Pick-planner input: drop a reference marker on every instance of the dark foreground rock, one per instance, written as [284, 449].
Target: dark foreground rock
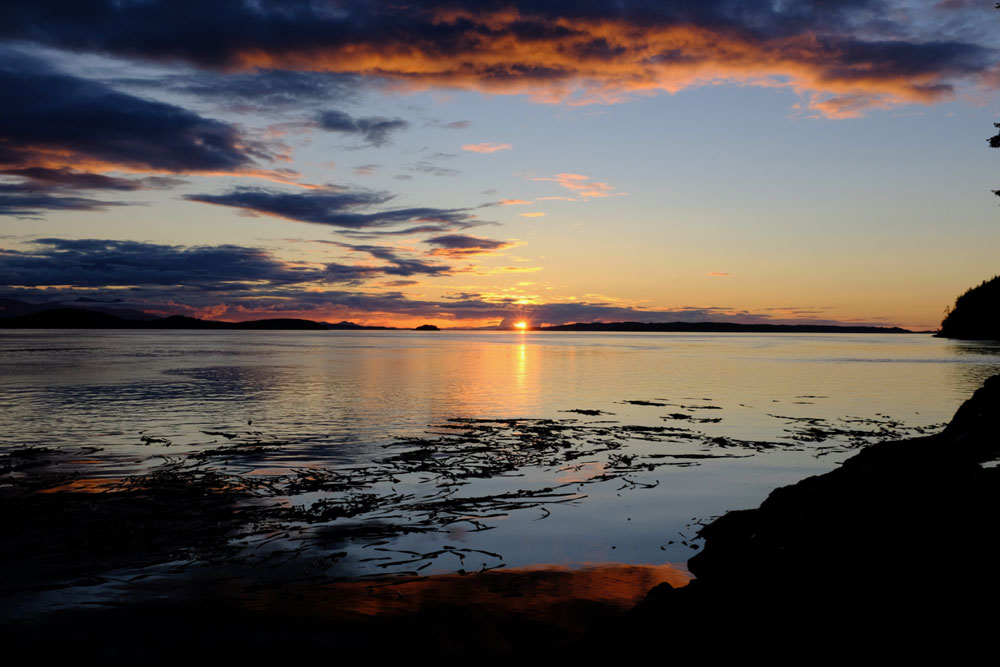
[896, 551]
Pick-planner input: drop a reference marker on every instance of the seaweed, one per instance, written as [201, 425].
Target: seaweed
[246, 504]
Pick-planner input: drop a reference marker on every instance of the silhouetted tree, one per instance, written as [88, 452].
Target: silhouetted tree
[976, 314]
[995, 140]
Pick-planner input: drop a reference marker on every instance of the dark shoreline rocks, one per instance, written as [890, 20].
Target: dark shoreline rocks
[898, 548]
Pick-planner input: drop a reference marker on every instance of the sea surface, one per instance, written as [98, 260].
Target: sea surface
[435, 452]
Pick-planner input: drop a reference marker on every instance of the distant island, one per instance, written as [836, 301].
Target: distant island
[86, 314]
[720, 327]
[81, 318]
[976, 315]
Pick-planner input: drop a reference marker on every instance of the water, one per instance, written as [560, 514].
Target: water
[306, 404]
[66, 387]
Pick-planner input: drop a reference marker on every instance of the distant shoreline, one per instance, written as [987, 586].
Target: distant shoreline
[79, 318]
[723, 327]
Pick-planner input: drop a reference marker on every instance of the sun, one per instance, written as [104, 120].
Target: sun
[521, 325]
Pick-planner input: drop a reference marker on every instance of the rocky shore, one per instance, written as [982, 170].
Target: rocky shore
[896, 551]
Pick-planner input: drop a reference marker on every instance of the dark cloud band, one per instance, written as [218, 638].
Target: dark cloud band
[552, 49]
[22, 202]
[334, 207]
[463, 245]
[91, 263]
[49, 117]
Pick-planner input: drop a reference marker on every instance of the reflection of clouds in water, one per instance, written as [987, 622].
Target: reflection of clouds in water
[528, 590]
[581, 472]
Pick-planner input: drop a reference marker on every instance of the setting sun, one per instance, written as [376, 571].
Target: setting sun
[521, 325]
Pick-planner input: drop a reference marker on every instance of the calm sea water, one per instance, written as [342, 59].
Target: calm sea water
[344, 400]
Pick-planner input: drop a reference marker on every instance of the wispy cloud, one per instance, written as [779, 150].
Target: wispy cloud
[486, 147]
[256, 89]
[581, 185]
[18, 201]
[32, 190]
[425, 167]
[65, 177]
[338, 207]
[395, 263]
[374, 130]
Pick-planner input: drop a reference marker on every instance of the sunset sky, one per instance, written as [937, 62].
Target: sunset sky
[393, 163]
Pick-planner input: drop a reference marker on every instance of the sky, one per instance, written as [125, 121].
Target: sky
[393, 163]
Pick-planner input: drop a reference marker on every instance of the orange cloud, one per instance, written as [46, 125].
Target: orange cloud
[513, 202]
[58, 158]
[582, 186]
[847, 106]
[575, 53]
[717, 274]
[607, 59]
[486, 147]
[535, 214]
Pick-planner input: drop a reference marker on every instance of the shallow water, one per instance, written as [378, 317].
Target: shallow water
[305, 404]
